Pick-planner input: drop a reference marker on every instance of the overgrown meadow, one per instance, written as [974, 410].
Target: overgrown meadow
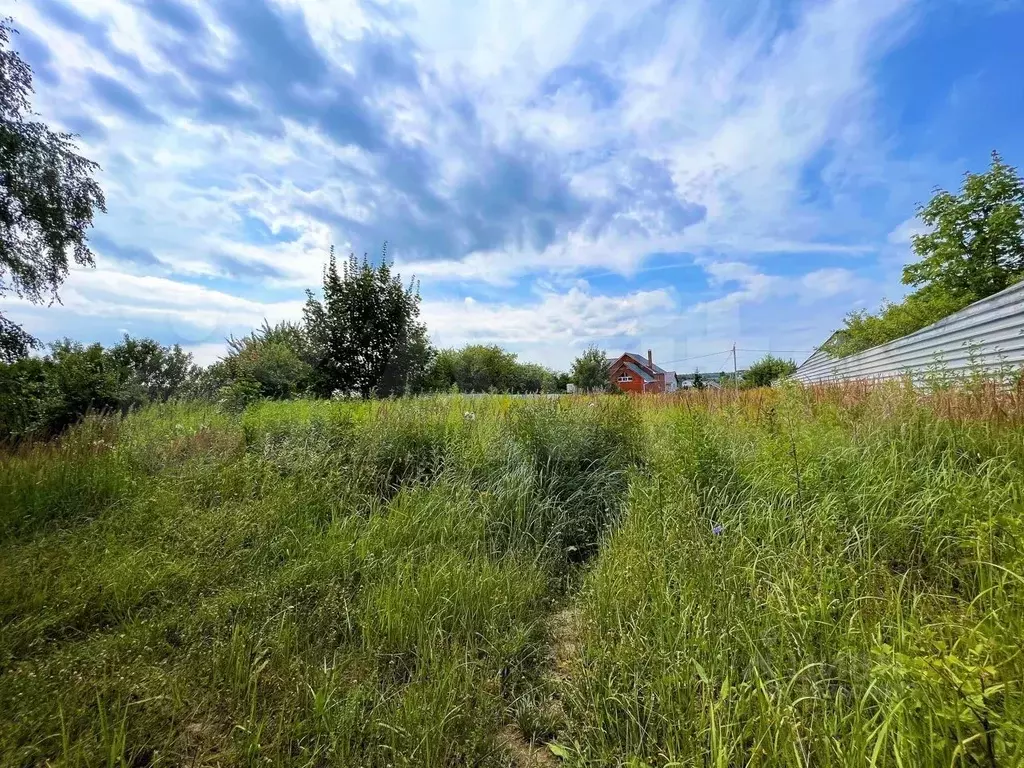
[794, 577]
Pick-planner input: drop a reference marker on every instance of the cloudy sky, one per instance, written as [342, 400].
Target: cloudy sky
[679, 175]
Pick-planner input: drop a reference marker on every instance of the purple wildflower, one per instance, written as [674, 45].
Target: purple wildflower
[717, 529]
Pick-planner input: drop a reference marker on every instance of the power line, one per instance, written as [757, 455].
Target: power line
[725, 361]
[787, 351]
[696, 357]
[728, 353]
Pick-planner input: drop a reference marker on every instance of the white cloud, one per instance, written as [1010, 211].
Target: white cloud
[903, 234]
[572, 317]
[183, 312]
[730, 105]
[734, 110]
[208, 353]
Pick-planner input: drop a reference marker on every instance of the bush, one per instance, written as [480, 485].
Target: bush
[767, 370]
[488, 368]
[43, 397]
[271, 362]
[148, 372]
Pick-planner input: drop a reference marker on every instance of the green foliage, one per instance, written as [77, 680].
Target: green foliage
[148, 372]
[975, 243]
[23, 388]
[974, 248]
[47, 202]
[408, 373]
[81, 379]
[864, 330]
[43, 397]
[536, 378]
[590, 370]
[789, 578]
[271, 362]
[364, 335]
[698, 381]
[487, 368]
[767, 370]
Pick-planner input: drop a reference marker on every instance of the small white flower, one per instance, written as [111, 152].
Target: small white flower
[469, 416]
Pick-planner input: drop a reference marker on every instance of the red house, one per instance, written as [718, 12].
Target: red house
[635, 373]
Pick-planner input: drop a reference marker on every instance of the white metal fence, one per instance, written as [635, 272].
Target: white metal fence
[987, 336]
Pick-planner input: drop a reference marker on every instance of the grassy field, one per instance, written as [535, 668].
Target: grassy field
[796, 577]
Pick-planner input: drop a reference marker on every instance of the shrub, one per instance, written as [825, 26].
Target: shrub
[271, 362]
[767, 370]
[43, 397]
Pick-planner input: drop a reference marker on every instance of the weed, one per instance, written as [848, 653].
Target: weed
[802, 576]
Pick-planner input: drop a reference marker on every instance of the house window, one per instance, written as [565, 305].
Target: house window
[625, 379]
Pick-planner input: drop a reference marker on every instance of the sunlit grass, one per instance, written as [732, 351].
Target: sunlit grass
[795, 577]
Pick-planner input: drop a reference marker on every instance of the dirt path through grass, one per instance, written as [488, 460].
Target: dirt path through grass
[785, 579]
[533, 750]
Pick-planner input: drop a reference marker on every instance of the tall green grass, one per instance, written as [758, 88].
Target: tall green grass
[806, 577]
[805, 584]
[308, 583]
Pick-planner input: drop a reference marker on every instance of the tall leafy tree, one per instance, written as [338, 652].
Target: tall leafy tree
[590, 370]
[974, 247]
[365, 336]
[47, 199]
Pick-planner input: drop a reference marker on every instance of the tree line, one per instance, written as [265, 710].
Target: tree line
[363, 336]
[362, 339]
[972, 247]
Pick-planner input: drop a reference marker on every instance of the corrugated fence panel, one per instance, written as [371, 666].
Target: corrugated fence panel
[986, 336]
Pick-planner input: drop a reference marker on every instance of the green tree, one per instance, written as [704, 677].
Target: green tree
[698, 380]
[476, 368]
[40, 397]
[767, 370]
[974, 248]
[590, 370]
[23, 390]
[47, 199]
[79, 379]
[534, 378]
[408, 373]
[147, 371]
[364, 334]
[271, 362]
[488, 368]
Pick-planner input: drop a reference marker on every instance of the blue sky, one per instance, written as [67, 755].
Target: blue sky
[679, 176]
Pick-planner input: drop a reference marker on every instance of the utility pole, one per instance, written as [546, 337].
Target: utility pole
[735, 372]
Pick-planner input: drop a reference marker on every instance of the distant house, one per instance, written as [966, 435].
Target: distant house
[710, 380]
[631, 372]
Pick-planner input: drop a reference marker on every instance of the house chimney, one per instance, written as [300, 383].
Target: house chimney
[650, 360]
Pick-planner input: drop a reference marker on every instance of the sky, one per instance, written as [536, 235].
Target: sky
[677, 176]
